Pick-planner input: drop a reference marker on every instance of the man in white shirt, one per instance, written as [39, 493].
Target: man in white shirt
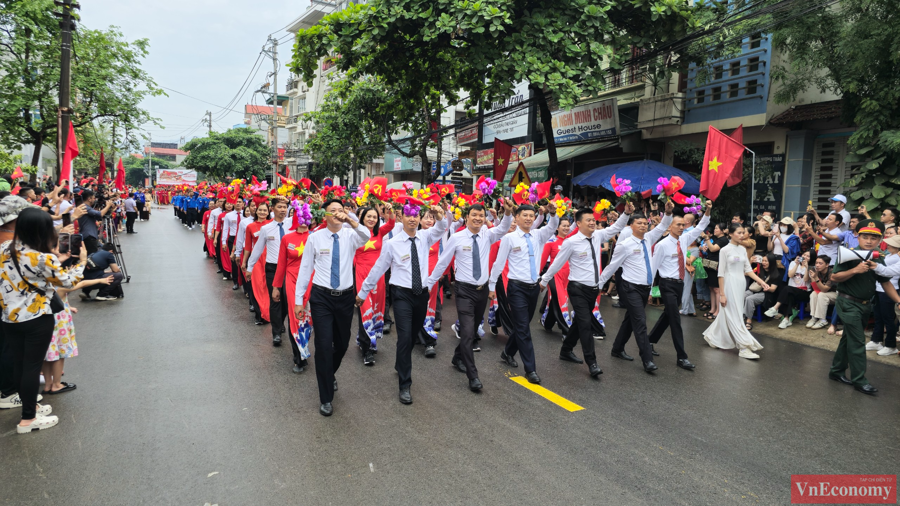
[838, 202]
[266, 252]
[521, 250]
[211, 226]
[582, 252]
[632, 254]
[130, 214]
[828, 239]
[669, 259]
[328, 255]
[229, 236]
[407, 257]
[471, 248]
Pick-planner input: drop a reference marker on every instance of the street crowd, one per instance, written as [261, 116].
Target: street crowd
[319, 257]
[54, 240]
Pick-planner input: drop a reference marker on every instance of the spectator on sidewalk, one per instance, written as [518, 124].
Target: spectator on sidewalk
[97, 264]
[823, 294]
[87, 224]
[130, 214]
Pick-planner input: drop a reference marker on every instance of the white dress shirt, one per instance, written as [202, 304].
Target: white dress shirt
[395, 254]
[213, 222]
[317, 258]
[230, 225]
[514, 251]
[269, 241]
[577, 251]
[460, 245]
[665, 254]
[242, 234]
[629, 255]
[831, 248]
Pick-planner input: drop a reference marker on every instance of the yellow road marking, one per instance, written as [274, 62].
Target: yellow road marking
[547, 394]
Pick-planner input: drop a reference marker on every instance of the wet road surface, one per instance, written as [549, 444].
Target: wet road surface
[182, 400]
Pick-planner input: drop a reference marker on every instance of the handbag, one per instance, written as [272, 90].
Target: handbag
[755, 287]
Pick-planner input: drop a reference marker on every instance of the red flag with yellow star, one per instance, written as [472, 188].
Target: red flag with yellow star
[723, 154]
[502, 153]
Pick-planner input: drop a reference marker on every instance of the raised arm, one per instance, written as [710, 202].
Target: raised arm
[611, 231]
[657, 232]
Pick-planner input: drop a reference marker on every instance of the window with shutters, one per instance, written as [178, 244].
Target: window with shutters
[830, 170]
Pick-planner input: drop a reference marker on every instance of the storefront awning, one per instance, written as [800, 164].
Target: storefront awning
[542, 159]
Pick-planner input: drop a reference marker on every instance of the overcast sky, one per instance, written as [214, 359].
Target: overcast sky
[203, 48]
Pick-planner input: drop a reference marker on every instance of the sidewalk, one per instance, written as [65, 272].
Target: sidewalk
[798, 333]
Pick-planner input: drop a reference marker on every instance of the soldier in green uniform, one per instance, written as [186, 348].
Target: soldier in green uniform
[856, 287]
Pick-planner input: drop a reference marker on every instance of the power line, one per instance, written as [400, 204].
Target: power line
[254, 70]
[198, 99]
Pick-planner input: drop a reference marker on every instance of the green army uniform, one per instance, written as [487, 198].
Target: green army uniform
[854, 313]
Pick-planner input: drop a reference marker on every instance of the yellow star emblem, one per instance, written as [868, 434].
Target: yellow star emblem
[714, 164]
[299, 249]
[369, 245]
[501, 160]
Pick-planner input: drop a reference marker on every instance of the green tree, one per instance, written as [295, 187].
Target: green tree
[136, 169]
[563, 48]
[852, 51]
[237, 153]
[108, 82]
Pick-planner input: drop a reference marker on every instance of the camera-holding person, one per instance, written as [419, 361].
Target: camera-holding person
[96, 268]
[87, 223]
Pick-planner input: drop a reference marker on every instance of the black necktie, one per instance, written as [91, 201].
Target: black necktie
[590, 241]
[416, 272]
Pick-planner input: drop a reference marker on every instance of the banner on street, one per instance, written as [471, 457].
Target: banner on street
[176, 177]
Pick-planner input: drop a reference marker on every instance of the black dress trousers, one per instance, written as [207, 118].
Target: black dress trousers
[670, 291]
[470, 306]
[332, 318]
[410, 310]
[522, 300]
[634, 299]
[582, 297]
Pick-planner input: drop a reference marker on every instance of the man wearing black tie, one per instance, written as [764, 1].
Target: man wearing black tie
[266, 252]
[669, 260]
[632, 254]
[521, 249]
[329, 252]
[472, 249]
[582, 251]
[407, 257]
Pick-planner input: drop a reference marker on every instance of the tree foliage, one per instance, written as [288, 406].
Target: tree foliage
[107, 80]
[852, 50]
[563, 48]
[237, 153]
[349, 125]
[136, 168]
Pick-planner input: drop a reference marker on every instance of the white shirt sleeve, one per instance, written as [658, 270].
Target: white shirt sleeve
[381, 266]
[617, 259]
[305, 272]
[497, 233]
[611, 231]
[565, 251]
[443, 261]
[658, 231]
[258, 249]
[497, 269]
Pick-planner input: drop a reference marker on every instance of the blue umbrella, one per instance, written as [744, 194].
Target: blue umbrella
[644, 175]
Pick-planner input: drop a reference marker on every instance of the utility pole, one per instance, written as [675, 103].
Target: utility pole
[150, 159]
[275, 178]
[64, 113]
[207, 120]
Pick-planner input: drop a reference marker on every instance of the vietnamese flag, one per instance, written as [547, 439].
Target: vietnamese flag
[70, 153]
[502, 154]
[723, 154]
[738, 173]
[102, 167]
[18, 174]
[120, 177]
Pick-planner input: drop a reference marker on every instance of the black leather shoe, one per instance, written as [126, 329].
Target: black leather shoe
[510, 361]
[532, 377]
[685, 364]
[458, 364]
[650, 366]
[840, 378]
[220, 271]
[430, 352]
[297, 369]
[369, 358]
[276, 340]
[252, 308]
[569, 356]
[405, 397]
[437, 326]
[235, 286]
[386, 329]
[259, 322]
[595, 370]
[616, 304]
[622, 355]
[866, 389]
[600, 333]
[475, 385]
[653, 351]
[326, 409]
[335, 385]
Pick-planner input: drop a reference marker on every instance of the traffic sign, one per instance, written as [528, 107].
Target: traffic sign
[521, 176]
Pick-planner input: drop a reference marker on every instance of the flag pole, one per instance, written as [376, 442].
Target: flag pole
[752, 183]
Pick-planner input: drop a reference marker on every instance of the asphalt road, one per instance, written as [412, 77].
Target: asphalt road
[182, 401]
